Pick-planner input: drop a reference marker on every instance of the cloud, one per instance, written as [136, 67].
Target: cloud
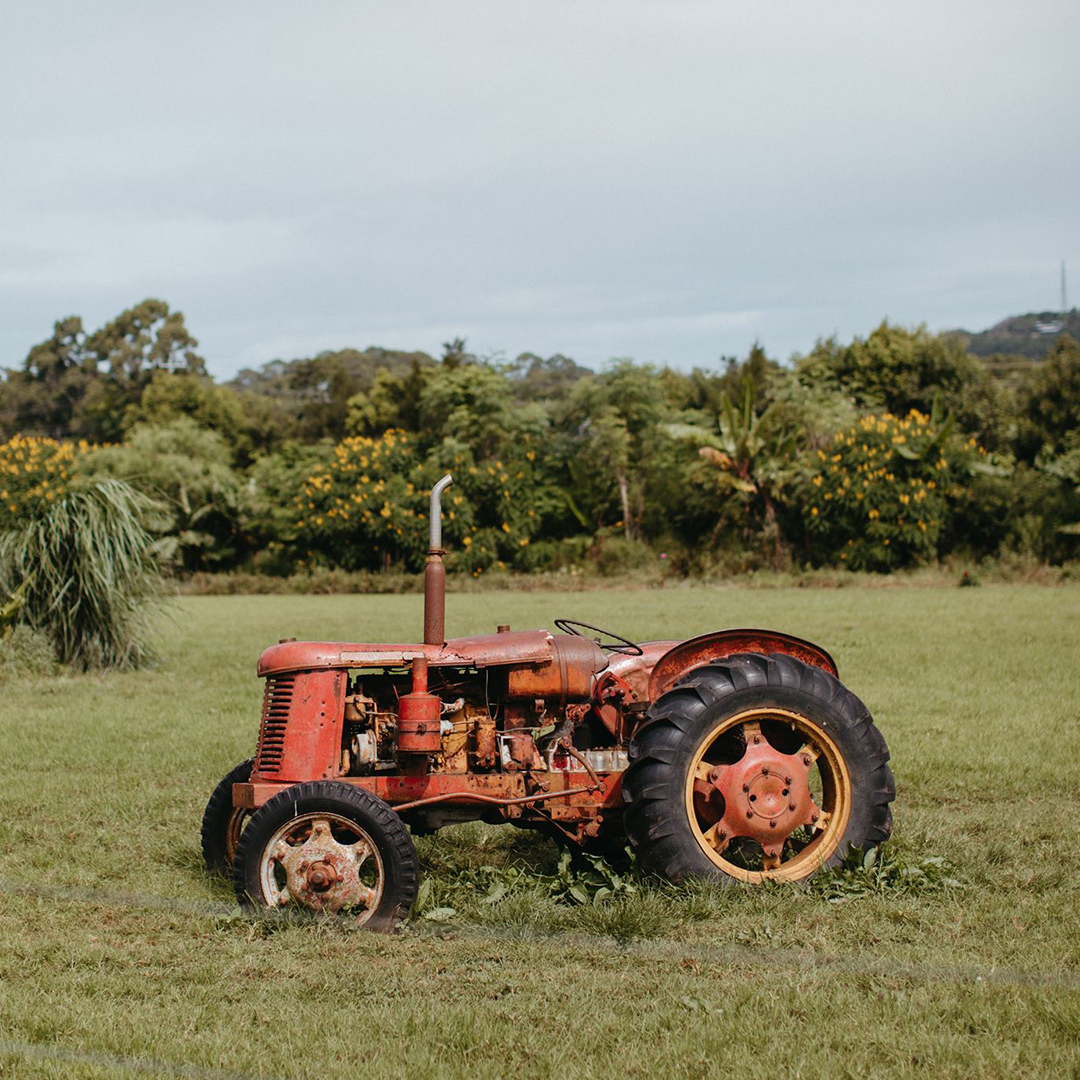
[666, 180]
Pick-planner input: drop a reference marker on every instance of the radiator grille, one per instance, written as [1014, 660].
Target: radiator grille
[277, 701]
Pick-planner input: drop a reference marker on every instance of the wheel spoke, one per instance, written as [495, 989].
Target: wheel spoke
[320, 831]
[822, 822]
[771, 860]
[716, 838]
[809, 750]
[703, 771]
[280, 900]
[704, 789]
[359, 850]
[751, 731]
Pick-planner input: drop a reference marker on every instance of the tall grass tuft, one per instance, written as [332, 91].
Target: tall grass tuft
[91, 575]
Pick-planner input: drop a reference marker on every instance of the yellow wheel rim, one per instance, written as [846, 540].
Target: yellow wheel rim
[835, 795]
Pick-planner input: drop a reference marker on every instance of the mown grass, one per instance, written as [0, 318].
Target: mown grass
[120, 957]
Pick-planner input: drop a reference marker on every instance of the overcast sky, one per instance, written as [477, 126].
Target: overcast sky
[664, 180]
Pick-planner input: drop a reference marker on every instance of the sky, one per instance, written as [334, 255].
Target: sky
[667, 180]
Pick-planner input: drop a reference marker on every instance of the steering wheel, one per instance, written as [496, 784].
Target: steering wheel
[624, 645]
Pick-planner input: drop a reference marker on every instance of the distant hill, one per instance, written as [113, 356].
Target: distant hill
[1030, 335]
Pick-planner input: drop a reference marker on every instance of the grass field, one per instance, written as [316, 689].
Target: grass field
[119, 957]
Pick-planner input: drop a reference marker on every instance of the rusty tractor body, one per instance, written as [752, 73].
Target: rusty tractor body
[735, 754]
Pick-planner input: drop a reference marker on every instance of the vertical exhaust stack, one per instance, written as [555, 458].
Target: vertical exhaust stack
[435, 572]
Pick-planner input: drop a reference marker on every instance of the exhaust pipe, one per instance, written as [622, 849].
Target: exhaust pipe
[435, 572]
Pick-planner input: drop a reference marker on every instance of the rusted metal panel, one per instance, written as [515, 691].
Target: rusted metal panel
[300, 734]
[712, 647]
[397, 788]
[568, 676]
[515, 647]
[636, 670]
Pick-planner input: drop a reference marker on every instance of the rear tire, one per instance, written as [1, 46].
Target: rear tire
[326, 846]
[222, 823]
[724, 736]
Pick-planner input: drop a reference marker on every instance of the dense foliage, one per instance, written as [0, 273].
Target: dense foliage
[881, 453]
[878, 495]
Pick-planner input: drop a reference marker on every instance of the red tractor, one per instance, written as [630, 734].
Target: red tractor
[734, 755]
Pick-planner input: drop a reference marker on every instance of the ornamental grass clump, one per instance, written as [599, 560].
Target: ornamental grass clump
[87, 574]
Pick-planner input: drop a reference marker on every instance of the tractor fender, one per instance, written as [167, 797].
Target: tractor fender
[708, 648]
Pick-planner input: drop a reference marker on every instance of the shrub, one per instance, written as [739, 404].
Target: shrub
[34, 473]
[365, 506]
[187, 469]
[368, 506]
[877, 496]
[25, 652]
[87, 570]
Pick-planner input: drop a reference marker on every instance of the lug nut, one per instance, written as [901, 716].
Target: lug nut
[772, 824]
[723, 835]
[749, 813]
[813, 819]
[764, 771]
[746, 787]
[787, 780]
[757, 739]
[791, 806]
[806, 760]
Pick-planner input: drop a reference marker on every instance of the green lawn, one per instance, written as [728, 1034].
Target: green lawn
[121, 958]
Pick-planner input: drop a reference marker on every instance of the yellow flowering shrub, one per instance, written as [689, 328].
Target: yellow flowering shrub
[368, 507]
[877, 495]
[34, 472]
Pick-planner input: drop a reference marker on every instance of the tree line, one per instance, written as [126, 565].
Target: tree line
[880, 453]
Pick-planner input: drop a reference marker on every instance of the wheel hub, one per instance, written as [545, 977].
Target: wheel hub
[322, 873]
[766, 795]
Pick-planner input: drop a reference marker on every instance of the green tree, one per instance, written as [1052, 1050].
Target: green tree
[44, 398]
[1050, 404]
[749, 460]
[393, 401]
[897, 370]
[187, 469]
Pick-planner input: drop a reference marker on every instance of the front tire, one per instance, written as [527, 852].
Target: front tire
[756, 768]
[330, 847]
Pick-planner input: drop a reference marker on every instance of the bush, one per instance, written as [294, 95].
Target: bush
[368, 507]
[34, 473]
[877, 495]
[187, 469]
[25, 652]
[87, 570]
[615, 555]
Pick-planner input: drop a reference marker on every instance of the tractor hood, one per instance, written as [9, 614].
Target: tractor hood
[486, 650]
